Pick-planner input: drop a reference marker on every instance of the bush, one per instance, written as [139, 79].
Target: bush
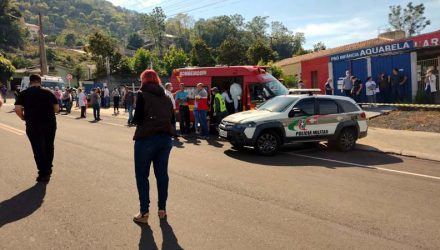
[420, 97]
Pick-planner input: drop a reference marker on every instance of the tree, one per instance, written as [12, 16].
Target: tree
[6, 69]
[410, 19]
[173, 59]
[103, 47]
[201, 55]
[135, 41]
[232, 52]
[11, 32]
[259, 51]
[141, 60]
[154, 26]
[319, 46]
[284, 42]
[258, 26]
[126, 66]
[78, 72]
[70, 40]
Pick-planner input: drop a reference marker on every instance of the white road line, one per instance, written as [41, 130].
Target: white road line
[12, 129]
[366, 166]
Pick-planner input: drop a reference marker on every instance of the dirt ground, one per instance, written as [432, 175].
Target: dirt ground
[428, 121]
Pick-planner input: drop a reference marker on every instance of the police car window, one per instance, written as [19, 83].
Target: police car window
[307, 106]
[327, 107]
[347, 106]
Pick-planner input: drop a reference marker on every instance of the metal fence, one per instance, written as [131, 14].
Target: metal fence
[422, 67]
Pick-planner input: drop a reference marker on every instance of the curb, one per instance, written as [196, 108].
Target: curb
[406, 153]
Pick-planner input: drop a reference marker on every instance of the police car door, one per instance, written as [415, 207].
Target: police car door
[303, 123]
[329, 116]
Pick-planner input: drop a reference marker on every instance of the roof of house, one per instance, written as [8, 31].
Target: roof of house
[331, 51]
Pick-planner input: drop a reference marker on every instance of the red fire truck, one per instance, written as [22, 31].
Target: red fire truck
[256, 83]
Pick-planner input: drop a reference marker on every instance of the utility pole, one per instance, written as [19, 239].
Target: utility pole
[43, 59]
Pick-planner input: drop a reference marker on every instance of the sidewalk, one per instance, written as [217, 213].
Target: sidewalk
[421, 145]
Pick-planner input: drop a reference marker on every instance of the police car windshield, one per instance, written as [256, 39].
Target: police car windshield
[278, 104]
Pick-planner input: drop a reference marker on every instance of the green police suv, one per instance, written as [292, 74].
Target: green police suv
[296, 118]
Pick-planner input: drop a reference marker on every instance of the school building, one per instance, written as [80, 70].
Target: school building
[412, 56]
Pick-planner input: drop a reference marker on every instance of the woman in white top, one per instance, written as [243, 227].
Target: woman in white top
[370, 86]
[430, 86]
[82, 101]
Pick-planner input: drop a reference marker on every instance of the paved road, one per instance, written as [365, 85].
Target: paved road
[304, 198]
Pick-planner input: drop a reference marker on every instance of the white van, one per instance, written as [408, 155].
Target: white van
[46, 81]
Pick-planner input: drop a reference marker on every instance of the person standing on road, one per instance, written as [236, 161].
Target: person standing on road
[116, 97]
[182, 100]
[219, 106]
[82, 102]
[329, 90]
[124, 97]
[356, 89]
[106, 97]
[229, 102]
[236, 92]
[67, 100]
[59, 96]
[370, 87]
[168, 92]
[95, 100]
[384, 88]
[37, 106]
[4, 91]
[153, 143]
[301, 84]
[347, 84]
[398, 85]
[202, 109]
[131, 105]
[430, 88]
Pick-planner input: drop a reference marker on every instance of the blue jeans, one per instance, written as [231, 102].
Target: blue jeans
[96, 111]
[203, 122]
[154, 149]
[130, 113]
[196, 119]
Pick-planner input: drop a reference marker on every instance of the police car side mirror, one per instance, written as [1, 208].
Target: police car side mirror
[294, 111]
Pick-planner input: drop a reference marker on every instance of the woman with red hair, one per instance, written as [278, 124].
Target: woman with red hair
[152, 142]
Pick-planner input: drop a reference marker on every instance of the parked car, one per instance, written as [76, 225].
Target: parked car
[296, 118]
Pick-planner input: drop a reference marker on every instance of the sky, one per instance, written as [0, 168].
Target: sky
[333, 22]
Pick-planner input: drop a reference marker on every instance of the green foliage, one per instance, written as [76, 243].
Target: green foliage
[276, 71]
[78, 71]
[135, 41]
[410, 19]
[70, 40]
[20, 62]
[258, 26]
[173, 59]
[319, 46]
[232, 52]
[12, 34]
[201, 55]
[126, 66]
[144, 59]
[6, 69]
[103, 48]
[420, 97]
[290, 81]
[154, 26]
[259, 51]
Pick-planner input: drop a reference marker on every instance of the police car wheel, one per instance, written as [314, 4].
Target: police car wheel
[347, 140]
[267, 143]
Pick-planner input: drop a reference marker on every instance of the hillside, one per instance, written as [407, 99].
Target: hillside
[80, 17]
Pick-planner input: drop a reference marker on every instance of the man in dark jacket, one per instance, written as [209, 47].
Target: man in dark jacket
[37, 106]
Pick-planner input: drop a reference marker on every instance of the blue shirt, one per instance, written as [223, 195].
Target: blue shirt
[182, 97]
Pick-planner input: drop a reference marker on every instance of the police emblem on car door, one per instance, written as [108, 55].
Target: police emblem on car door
[303, 120]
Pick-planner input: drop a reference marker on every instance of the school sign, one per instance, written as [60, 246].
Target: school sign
[377, 50]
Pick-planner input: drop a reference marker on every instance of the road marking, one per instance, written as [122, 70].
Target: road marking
[12, 129]
[366, 166]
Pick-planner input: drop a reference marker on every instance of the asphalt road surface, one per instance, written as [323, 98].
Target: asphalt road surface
[303, 198]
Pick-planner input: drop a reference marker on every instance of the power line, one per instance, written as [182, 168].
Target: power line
[198, 8]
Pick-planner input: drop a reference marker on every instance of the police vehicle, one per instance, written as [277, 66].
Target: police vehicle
[296, 118]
